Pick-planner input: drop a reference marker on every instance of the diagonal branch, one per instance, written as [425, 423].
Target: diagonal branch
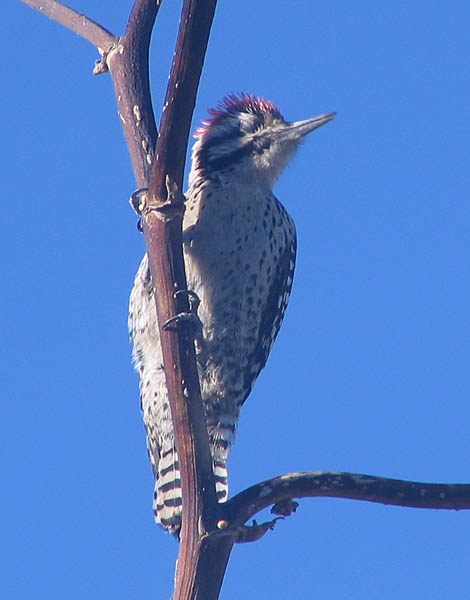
[354, 486]
[81, 24]
[126, 58]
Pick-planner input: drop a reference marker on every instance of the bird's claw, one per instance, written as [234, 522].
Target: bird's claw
[138, 201]
[167, 209]
[185, 317]
[193, 299]
[189, 317]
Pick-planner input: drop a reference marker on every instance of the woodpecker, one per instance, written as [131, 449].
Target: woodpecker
[239, 248]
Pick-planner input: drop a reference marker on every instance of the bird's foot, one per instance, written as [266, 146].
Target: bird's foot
[242, 534]
[167, 209]
[190, 317]
[193, 299]
[138, 201]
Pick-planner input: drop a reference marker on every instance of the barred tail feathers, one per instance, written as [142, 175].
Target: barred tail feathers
[168, 497]
[167, 502]
[221, 480]
[221, 438]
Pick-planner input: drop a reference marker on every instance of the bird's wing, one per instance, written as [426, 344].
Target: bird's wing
[273, 314]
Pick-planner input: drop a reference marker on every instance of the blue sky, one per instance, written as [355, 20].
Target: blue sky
[370, 371]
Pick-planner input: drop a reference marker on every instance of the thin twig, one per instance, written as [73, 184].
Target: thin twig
[353, 486]
[127, 60]
[81, 24]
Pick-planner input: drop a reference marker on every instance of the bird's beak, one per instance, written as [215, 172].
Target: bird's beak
[297, 130]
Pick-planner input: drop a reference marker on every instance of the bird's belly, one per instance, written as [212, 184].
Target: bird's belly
[232, 285]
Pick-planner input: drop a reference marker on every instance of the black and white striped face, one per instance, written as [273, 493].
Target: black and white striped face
[248, 135]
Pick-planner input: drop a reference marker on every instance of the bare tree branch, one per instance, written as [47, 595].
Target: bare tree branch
[81, 24]
[209, 529]
[354, 486]
[128, 62]
[193, 36]
[162, 228]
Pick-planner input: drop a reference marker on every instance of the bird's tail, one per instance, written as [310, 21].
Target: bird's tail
[167, 498]
[168, 501]
[221, 480]
[221, 437]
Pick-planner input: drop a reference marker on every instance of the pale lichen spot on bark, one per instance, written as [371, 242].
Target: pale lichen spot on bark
[137, 114]
[265, 491]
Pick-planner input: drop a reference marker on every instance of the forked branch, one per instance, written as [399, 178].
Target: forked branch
[209, 529]
[126, 58]
[162, 221]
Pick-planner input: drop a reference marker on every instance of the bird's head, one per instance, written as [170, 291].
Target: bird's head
[247, 137]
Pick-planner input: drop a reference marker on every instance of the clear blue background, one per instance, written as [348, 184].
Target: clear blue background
[370, 372]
